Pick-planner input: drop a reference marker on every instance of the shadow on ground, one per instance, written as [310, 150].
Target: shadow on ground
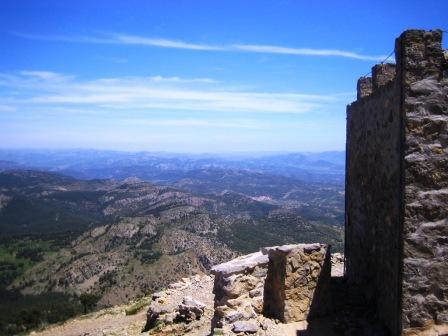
[351, 315]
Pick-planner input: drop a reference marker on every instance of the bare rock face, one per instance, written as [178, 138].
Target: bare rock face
[298, 282]
[238, 290]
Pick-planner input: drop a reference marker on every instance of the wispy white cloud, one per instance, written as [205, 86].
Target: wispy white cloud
[69, 39]
[270, 49]
[126, 39]
[234, 123]
[161, 79]
[46, 75]
[41, 88]
[159, 42]
[48, 109]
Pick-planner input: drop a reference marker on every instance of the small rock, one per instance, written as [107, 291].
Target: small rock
[234, 316]
[245, 326]
[176, 285]
[157, 295]
[256, 292]
[191, 309]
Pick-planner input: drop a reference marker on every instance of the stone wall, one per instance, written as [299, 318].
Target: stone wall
[396, 189]
[373, 197]
[425, 177]
[290, 283]
[297, 285]
[238, 289]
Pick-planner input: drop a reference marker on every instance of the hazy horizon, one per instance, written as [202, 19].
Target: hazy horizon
[219, 154]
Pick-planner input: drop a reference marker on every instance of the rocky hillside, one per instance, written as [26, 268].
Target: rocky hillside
[125, 260]
[314, 201]
[123, 239]
[150, 231]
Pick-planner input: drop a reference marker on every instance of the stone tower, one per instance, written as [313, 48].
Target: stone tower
[397, 186]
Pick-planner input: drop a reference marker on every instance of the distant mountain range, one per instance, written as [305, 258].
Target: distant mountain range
[327, 167]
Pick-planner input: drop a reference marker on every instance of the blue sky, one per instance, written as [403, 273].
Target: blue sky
[192, 76]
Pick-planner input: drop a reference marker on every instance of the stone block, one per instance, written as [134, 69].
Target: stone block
[364, 87]
[297, 286]
[238, 290]
[382, 74]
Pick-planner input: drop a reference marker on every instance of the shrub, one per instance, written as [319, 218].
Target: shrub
[88, 300]
[137, 306]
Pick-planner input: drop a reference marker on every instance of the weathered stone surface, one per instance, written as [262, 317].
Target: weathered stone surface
[373, 198]
[250, 327]
[397, 182]
[238, 289]
[241, 264]
[190, 309]
[298, 282]
[382, 74]
[364, 87]
[425, 223]
[182, 304]
[337, 265]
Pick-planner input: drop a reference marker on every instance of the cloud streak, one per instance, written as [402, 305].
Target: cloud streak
[233, 123]
[47, 109]
[151, 94]
[159, 42]
[269, 49]
[126, 39]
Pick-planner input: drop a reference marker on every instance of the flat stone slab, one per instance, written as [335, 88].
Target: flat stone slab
[241, 264]
[306, 248]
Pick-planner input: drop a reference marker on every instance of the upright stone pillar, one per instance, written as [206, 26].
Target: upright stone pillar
[298, 282]
[425, 180]
[238, 290]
